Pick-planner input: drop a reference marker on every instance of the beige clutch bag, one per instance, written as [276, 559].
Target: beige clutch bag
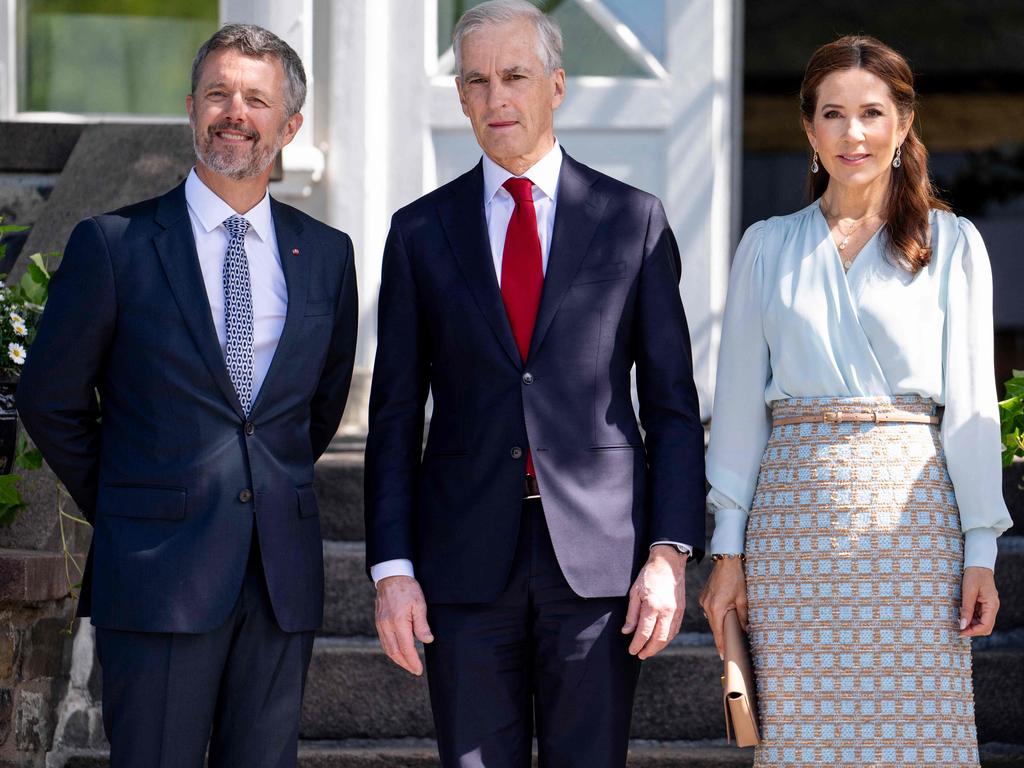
[738, 684]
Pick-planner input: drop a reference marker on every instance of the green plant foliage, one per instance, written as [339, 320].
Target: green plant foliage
[1011, 418]
[10, 499]
[27, 456]
[20, 309]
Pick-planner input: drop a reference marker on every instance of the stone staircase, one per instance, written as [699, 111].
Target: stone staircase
[360, 710]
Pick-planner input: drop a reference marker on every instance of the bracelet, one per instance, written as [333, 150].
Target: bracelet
[731, 556]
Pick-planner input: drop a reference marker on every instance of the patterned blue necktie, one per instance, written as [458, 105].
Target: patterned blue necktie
[238, 311]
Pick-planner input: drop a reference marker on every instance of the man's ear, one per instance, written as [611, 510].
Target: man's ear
[292, 128]
[559, 95]
[462, 96]
[189, 103]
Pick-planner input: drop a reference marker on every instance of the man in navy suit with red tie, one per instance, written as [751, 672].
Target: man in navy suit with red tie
[218, 327]
[537, 545]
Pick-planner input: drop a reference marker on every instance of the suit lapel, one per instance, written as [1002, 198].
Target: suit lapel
[176, 247]
[464, 221]
[577, 213]
[296, 267]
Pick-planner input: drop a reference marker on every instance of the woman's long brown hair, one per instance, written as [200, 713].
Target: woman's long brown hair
[911, 192]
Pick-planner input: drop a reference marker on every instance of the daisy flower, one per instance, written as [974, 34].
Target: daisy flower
[16, 352]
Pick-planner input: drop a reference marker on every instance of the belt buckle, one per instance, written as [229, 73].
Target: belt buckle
[832, 417]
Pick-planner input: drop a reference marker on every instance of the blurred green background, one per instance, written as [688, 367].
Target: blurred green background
[110, 56]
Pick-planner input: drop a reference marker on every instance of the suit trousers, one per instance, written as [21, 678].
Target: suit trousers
[538, 655]
[238, 688]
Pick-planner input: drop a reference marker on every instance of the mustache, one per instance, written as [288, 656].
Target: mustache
[228, 125]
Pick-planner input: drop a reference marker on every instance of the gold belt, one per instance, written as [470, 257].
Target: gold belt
[872, 417]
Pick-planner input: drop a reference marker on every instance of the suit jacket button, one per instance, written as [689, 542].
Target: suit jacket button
[527, 378]
[245, 496]
[250, 428]
[517, 452]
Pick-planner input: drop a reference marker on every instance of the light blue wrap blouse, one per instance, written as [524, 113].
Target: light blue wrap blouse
[796, 325]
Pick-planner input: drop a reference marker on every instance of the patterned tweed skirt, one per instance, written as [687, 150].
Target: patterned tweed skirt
[854, 562]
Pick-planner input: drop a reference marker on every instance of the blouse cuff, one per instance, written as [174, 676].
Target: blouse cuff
[730, 532]
[980, 548]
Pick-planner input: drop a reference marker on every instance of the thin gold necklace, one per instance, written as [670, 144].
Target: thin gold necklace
[847, 263]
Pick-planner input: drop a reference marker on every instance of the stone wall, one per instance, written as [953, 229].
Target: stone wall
[35, 653]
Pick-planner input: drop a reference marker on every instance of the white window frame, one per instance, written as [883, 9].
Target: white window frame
[9, 86]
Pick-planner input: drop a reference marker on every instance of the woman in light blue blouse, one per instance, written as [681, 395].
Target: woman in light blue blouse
[854, 457]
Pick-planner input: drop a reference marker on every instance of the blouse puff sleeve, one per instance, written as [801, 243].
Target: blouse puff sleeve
[970, 425]
[740, 421]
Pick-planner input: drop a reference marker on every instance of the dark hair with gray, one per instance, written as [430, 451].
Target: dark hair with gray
[549, 35]
[251, 40]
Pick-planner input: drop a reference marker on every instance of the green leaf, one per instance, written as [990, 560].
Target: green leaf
[31, 459]
[5, 228]
[38, 260]
[10, 499]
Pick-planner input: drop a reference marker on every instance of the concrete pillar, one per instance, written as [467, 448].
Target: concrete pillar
[704, 145]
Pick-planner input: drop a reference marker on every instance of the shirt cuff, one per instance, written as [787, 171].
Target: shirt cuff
[391, 568]
[730, 532]
[685, 549]
[980, 548]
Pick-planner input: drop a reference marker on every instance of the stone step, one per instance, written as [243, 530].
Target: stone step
[422, 753]
[355, 691]
[339, 489]
[348, 600]
[348, 603]
[338, 482]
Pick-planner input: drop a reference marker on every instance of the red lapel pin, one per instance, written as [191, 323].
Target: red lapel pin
[295, 251]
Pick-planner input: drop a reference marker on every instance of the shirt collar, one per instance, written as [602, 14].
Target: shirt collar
[211, 211]
[543, 174]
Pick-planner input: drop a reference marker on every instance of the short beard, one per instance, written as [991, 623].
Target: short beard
[236, 163]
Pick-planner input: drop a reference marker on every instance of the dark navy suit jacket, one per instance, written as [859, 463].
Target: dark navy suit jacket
[610, 300]
[165, 463]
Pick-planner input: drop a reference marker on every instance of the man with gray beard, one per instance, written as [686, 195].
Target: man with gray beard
[218, 328]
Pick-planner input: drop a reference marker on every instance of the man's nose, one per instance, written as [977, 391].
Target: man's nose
[236, 106]
[497, 93]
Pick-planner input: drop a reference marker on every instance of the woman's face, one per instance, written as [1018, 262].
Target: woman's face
[856, 128]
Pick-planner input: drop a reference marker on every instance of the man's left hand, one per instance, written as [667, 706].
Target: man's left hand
[657, 600]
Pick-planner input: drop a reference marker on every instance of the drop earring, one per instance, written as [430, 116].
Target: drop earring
[814, 162]
[897, 161]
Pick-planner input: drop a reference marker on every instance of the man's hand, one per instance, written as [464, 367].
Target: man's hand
[979, 604]
[657, 600]
[401, 615]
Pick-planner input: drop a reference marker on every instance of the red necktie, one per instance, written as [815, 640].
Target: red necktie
[522, 275]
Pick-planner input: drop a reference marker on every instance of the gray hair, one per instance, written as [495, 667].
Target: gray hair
[251, 40]
[549, 35]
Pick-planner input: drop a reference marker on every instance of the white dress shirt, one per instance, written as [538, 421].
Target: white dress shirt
[498, 208]
[207, 213]
[796, 326]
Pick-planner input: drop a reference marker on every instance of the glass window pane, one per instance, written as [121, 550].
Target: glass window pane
[646, 19]
[588, 48]
[110, 56]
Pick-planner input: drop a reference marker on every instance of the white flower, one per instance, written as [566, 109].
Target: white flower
[20, 329]
[16, 352]
[16, 318]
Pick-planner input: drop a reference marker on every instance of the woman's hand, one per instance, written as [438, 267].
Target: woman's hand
[725, 591]
[980, 602]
